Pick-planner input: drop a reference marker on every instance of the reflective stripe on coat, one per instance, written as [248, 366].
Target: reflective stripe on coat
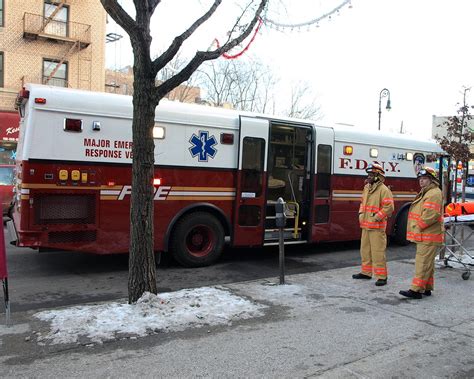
[425, 222]
[376, 206]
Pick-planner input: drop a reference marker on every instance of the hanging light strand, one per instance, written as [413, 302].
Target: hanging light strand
[282, 26]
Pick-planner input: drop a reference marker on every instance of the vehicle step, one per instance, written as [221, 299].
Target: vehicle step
[275, 235]
[288, 217]
[273, 230]
[285, 243]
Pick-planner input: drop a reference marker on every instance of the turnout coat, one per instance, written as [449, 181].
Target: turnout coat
[425, 219]
[376, 206]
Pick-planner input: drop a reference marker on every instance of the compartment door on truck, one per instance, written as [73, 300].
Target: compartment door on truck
[249, 212]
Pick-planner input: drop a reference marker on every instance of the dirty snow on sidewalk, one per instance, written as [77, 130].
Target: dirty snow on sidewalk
[165, 312]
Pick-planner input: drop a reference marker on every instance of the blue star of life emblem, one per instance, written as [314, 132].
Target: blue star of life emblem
[203, 146]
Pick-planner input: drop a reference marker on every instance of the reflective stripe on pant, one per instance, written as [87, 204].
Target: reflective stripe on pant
[373, 243]
[424, 267]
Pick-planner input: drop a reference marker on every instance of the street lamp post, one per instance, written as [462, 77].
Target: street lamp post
[384, 93]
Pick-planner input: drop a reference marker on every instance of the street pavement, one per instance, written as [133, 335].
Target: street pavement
[320, 324]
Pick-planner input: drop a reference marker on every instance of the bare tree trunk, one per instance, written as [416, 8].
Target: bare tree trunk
[142, 272]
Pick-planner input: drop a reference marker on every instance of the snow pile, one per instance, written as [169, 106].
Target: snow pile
[173, 311]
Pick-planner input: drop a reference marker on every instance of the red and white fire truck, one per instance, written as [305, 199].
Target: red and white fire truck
[218, 174]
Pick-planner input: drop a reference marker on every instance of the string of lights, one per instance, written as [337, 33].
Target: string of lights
[268, 22]
[279, 26]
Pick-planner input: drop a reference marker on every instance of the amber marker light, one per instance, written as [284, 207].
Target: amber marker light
[63, 175]
[348, 150]
[75, 175]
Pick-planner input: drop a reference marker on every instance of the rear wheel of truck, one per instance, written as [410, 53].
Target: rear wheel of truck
[197, 240]
[400, 230]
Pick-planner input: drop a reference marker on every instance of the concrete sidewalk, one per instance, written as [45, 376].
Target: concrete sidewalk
[322, 324]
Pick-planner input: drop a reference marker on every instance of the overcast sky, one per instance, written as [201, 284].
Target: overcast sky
[419, 49]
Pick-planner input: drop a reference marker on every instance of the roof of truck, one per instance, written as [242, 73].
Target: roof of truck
[120, 106]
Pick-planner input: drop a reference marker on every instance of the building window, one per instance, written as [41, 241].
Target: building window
[1, 13]
[54, 75]
[1, 68]
[58, 25]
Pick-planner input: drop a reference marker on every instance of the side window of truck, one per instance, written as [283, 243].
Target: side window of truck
[253, 153]
[323, 173]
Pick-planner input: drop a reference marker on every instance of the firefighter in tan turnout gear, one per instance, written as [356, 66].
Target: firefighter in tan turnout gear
[376, 207]
[425, 227]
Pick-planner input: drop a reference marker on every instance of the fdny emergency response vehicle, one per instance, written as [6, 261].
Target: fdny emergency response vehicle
[218, 174]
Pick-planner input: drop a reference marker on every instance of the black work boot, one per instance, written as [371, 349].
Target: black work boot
[427, 293]
[411, 294]
[361, 276]
[381, 282]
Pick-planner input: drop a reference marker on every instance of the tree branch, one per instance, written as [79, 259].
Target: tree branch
[144, 10]
[202, 56]
[152, 5]
[168, 55]
[230, 44]
[113, 8]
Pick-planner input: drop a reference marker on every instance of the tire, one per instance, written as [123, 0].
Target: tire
[400, 229]
[197, 240]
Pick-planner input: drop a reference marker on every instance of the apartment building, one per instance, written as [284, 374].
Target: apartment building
[55, 42]
[60, 43]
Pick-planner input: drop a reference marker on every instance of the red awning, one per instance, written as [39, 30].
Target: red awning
[9, 126]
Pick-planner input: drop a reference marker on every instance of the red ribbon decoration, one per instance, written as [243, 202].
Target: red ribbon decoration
[227, 56]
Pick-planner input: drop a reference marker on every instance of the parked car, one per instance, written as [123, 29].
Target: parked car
[6, 186]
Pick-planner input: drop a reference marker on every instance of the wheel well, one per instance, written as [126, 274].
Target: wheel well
[397, 217]
[208, 208]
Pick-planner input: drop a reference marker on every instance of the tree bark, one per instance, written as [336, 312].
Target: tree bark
[142, 273]
[146, 96]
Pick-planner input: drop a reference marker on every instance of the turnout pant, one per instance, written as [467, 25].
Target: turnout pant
[372, 251]
[424, 267]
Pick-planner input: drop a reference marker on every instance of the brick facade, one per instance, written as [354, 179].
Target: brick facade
[23, 57]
